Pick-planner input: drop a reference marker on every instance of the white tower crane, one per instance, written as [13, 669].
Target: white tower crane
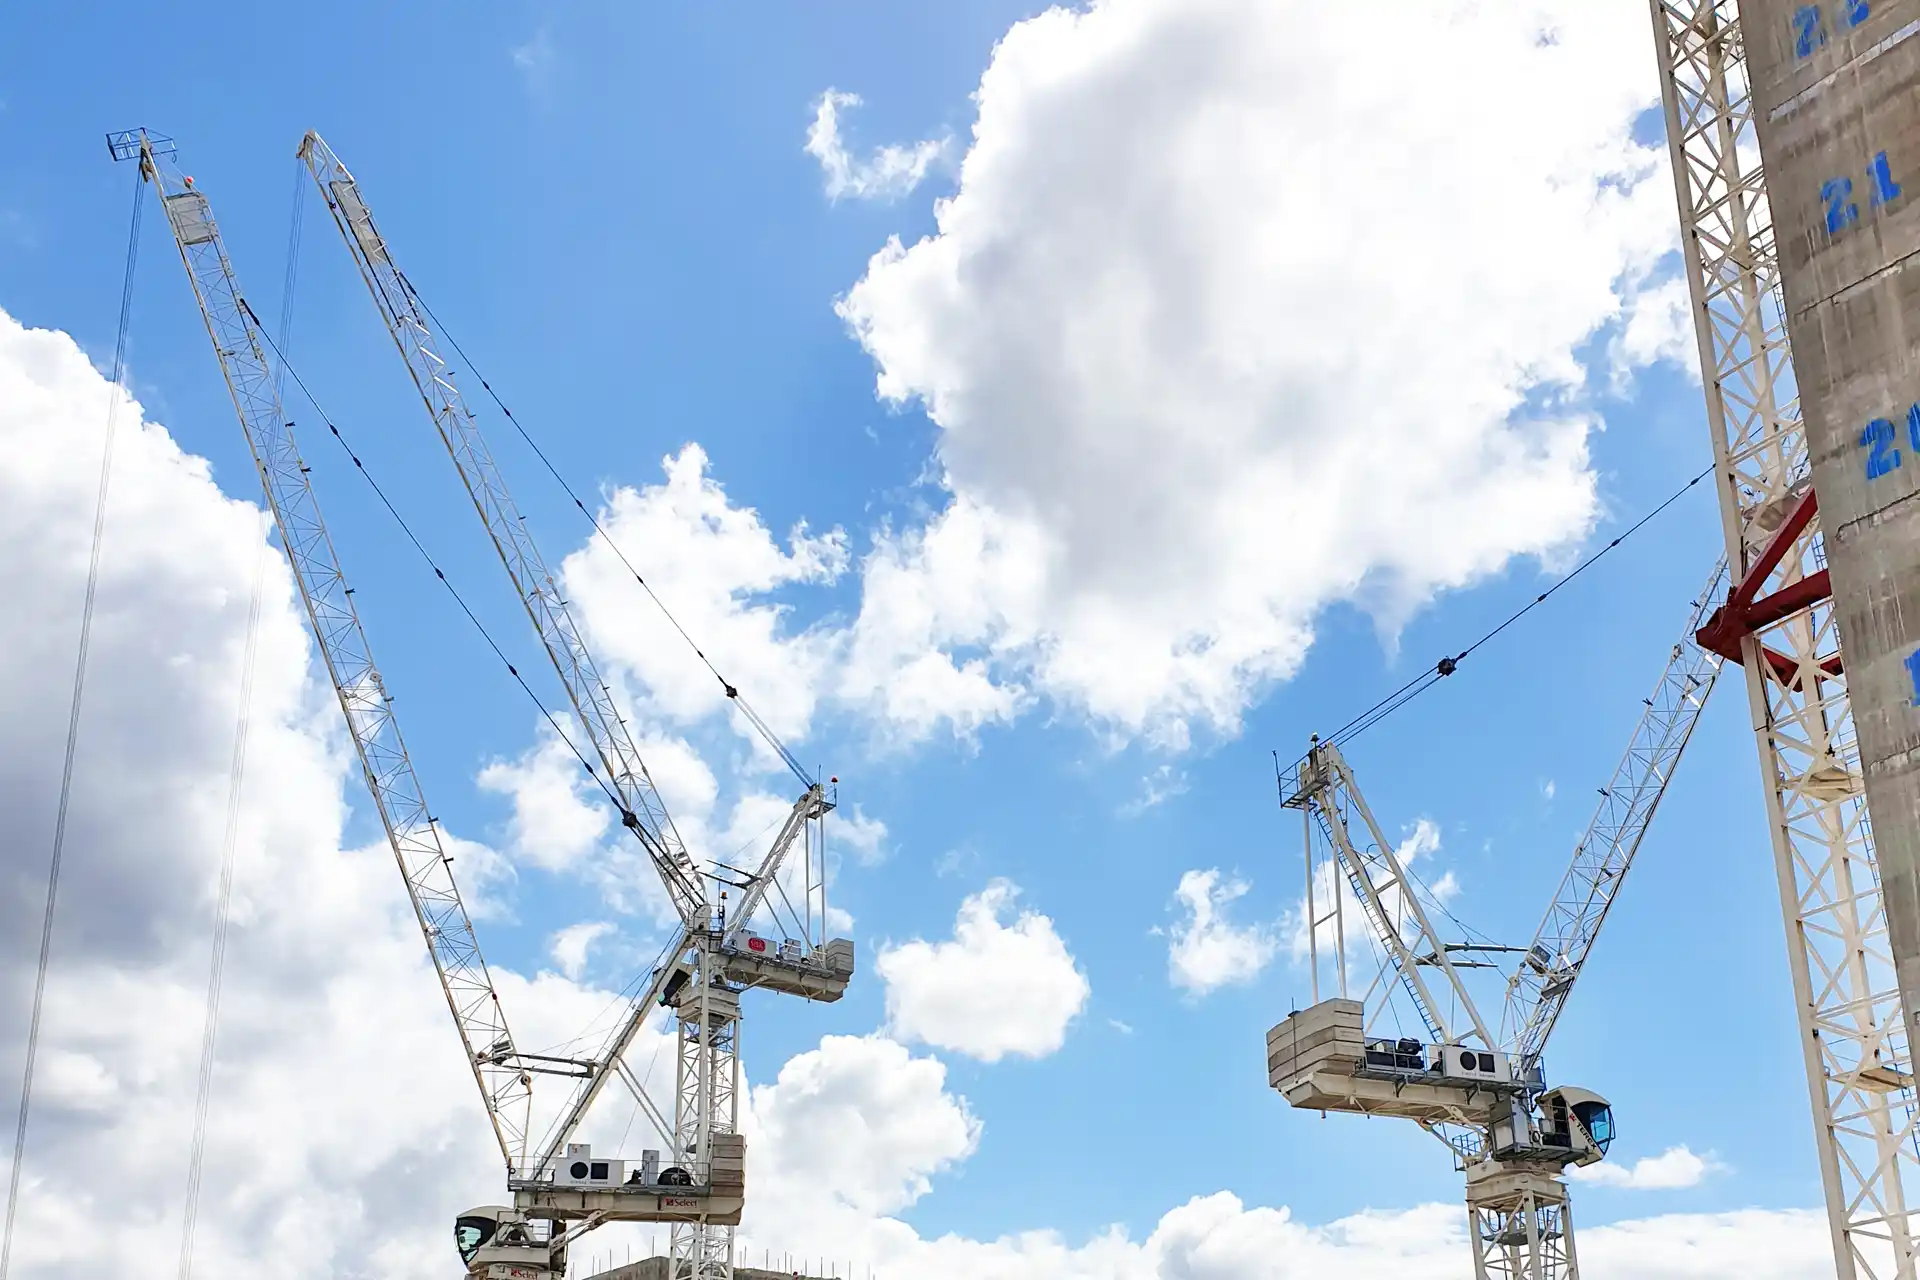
[717, 957]
[1482, 1092]
[1816, 86]
[556, 1198]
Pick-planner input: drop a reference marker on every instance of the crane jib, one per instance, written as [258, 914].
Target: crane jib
[411, 832]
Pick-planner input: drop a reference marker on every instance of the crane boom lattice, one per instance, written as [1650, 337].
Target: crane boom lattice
[505, 1084]
[643, 811]
[1551, 964]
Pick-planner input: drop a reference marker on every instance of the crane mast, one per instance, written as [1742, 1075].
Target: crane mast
[505, 1079]
[1780, 623]
[715, 957]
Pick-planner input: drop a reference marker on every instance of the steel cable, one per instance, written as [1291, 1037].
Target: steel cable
[732, 691]
[1419, 684]
[73, 732]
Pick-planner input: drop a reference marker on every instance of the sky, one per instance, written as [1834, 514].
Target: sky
[1045, 417]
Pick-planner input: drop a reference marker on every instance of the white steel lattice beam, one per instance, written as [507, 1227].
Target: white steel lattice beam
[504, 1082]
[643, 811]
[1547, 971]
[1853, 1039]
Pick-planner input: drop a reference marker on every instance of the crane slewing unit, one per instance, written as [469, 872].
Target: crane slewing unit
[1484, 1094]
[718, 955]
[1819, 524]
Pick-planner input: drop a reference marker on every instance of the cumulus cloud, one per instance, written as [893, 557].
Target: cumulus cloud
[890, 172]
[715, 566]
[860, 1123]
[1232, 317]
[556, 821]
[1659, 326]
[569, 946]
[287, 1150]
[1205, 949]
[1671, 1170]
[994, 989]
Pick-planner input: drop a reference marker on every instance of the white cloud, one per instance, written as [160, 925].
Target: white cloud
[556, 819]
[569, 946]
[359, 1167]
[890, 172]
[1206, 950]
[1232, 317]
[1164, 783]
[536, 61]
[859, 1123]
[1659, 326]
[714, 565]
[995, 989]
[867, 837]
[1671, 1170]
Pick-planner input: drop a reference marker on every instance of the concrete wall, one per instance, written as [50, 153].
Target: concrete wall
[1837, 106]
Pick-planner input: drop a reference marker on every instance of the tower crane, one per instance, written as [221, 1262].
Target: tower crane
[1479, 1087]
[717, 957]
[1790, 127]
[557, 1195]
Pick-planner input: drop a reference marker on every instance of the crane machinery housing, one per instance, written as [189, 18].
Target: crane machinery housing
[560, 1189]
[1481, 1089]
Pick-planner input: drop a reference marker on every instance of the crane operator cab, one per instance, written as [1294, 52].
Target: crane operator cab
[1579, 1120]
[496, 1243]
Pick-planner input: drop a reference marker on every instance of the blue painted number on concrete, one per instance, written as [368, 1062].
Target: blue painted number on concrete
[1809, 32]
[1810, 28]
[1913, 674]
[1841, 212]
[1878, 438]
[1837, 194]
[1885, 189]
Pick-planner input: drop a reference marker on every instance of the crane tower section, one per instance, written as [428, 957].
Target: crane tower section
[1838, 120]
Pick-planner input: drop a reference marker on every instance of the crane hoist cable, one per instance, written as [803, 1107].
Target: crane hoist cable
[280, 358]
[732, 691]
[1433, 675]
[117, 394]
[216, 967]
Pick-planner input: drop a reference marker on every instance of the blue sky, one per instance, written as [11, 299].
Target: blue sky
[613, 210]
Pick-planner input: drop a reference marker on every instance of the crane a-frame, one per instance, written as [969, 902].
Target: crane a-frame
[559, 1190]
[1478, 1086]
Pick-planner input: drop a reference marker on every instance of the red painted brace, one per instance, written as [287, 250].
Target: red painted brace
[1743, 613]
